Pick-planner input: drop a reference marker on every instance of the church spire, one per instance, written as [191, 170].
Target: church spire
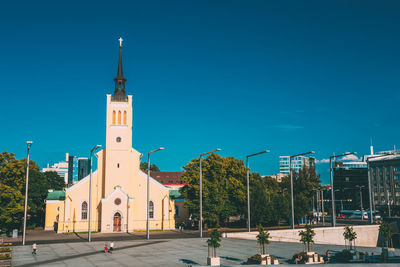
[119, 93]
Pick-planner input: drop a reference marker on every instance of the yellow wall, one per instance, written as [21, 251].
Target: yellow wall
[118, 176]
[52, 210]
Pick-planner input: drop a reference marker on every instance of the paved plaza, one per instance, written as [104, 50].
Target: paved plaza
[157, 252]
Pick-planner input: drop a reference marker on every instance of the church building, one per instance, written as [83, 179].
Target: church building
[118, 186]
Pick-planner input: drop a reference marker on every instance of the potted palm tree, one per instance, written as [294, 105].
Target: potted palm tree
[262, 241]
[349, 237]
[213, 245]
[262, 257]
[308, 256]
[386, 233]
[307, 238]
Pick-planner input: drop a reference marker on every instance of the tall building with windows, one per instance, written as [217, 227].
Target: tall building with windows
[349, 178]
[297, 163]
[385, 177]
[72, 170]
[83, 168]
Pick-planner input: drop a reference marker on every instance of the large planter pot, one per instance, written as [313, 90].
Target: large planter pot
[213, 261]
[389, 252]
[314, 258]
[265, 259]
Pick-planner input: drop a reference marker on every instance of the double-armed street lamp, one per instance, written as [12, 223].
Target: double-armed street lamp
[201, 189]
[148, 191]
[28, 144]
[248, 187]
[333, 219]
[291, 181]
[90, 192]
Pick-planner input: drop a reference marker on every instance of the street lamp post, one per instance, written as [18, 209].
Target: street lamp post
[90, 193]
[28, 144]
[291, 181]
[322, 206]
[333, 220]
[361, 201]
[148, 191]
[201, 189]
[248, 185]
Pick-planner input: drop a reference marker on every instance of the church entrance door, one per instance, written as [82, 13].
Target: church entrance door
[117, 222]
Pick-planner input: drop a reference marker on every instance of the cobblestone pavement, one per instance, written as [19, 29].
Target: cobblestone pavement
[157, 252]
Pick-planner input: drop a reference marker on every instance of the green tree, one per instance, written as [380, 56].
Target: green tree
[262, 239]
[11, 208]
[307, 237]
[214, 242]
[54, 180]
[303, 183]
[13, 175]
[224, 192]
[386, 233]
[349, 235]
[153, 167]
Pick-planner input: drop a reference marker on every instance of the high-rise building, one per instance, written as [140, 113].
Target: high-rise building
[72, 169]
[83, 168]
[297, 163]
[349, 178]
[385, 181]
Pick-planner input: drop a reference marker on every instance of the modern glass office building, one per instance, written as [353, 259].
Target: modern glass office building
[297, 163]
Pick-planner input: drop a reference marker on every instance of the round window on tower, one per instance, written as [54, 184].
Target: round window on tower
[118, 139]
[117, 201]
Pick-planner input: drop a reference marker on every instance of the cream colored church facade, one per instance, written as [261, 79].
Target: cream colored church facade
[118, 186]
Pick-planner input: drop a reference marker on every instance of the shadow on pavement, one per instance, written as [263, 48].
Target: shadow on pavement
[86, 254]
[186, 261]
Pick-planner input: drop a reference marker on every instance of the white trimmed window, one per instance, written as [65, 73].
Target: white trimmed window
[151, 209]
[84, 210]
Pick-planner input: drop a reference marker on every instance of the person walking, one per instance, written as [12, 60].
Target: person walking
[105, 248]
[366, 256]
[34, 249]
[111, 247]
[328, 255]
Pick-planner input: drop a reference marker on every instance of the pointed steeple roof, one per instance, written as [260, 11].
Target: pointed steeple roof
[119, 93]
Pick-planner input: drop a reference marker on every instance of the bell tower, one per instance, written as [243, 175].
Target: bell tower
[119, 156]
[119, 113]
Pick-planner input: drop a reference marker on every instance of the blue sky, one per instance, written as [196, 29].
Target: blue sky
[290, 76]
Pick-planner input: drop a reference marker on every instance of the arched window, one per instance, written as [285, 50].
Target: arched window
[113, 118]
[124, 117]
[84, 210]
[151, 209]
[119, 117]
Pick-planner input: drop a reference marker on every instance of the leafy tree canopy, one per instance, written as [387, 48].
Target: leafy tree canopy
[12, 191]
[153, 167]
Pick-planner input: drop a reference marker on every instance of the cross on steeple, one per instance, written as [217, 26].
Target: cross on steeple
[119, 93]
